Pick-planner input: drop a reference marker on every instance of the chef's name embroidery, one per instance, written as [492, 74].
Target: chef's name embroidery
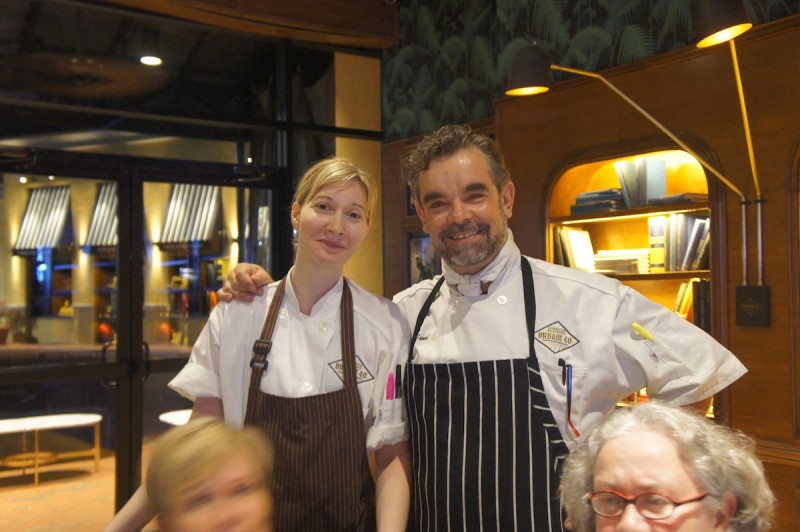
[362, 373]
[555, 337]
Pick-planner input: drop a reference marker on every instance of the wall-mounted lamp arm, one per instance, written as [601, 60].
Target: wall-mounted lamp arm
[743, 107]
[656, 123]
[759, 200]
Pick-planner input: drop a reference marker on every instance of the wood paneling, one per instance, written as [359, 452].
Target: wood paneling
[693, 93]
[356, 23]
[397, 223]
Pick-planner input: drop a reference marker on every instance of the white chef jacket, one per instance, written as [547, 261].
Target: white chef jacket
[584, 319]
[306, 356]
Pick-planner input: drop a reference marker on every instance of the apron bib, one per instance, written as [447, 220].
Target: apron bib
[485, 446]
[322, 480]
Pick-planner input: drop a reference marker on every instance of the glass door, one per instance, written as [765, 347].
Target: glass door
[105, 286]
[193, 231]
[59, 325]
[193, 234]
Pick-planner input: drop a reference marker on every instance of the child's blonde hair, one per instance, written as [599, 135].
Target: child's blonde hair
[188, 454]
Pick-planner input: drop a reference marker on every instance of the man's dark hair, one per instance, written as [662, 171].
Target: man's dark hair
[448, 140]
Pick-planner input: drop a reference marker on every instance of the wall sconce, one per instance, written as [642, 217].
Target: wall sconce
[718, 21]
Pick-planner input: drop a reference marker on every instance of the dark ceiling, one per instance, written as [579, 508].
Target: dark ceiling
[69, 66]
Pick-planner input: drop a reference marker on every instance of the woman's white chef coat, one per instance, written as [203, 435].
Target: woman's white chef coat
[584, 319]
[306, 356]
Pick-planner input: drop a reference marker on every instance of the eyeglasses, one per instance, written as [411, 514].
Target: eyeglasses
[650, 505]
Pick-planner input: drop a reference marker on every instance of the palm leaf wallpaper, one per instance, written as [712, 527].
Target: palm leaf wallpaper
[454, 55]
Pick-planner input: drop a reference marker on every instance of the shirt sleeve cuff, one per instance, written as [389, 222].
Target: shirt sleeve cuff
[380, 436]
[194, 381]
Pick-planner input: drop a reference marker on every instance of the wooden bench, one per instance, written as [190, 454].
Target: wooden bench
[36, 424]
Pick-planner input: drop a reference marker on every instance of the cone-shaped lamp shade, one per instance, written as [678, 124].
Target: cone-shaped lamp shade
[718, 21]
[530, 71]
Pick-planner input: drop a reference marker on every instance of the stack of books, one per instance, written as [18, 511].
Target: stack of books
[606, 200]
[622, 261]
[679, 199]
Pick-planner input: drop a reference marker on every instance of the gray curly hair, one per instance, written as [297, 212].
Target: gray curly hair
[718, 458]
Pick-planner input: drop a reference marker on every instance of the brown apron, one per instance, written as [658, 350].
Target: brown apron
[322, 479]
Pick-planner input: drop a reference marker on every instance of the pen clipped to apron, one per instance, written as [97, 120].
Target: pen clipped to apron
[391, 412]
[566, 380]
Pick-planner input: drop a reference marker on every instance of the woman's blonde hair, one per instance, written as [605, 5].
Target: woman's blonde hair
[335, 170]
[188, 454]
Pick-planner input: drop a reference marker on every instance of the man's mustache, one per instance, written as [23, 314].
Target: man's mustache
[459, 230]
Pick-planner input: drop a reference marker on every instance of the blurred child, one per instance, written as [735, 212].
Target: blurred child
[206, 476]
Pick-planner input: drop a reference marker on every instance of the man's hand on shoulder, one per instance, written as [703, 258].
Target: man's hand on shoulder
[244, 282]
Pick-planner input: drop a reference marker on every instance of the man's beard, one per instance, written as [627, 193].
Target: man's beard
[465, 255]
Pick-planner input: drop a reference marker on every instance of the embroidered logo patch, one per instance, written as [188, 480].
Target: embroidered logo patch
[555, 337]
[362, 373]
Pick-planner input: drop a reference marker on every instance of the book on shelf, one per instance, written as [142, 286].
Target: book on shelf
[700, 261]
[701, 304]
[657, 237]
[674, 229]
[596, 206]
[653, 175]
[599, 195]
[626, 173]
[676, 199]
[578, 250]
[641, 180]
[622, 260]
[680, 228]
[679, 298]
[558, 246]
[700, 227]
[684, 300]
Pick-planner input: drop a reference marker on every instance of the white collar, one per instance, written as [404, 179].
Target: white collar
[328, 304]
[470, 284]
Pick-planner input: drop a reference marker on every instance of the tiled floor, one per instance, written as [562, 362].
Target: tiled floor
[69, 497]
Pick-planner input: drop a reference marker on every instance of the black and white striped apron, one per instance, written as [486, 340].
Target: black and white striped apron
[485, 446]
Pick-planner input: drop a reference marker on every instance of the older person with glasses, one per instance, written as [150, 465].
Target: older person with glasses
[658, 467]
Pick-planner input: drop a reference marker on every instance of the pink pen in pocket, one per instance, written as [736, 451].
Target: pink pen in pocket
[390, 387]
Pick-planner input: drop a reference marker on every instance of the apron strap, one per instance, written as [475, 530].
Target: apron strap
[423, 313]
[530, 305]
[347, 336]
[262, 347]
